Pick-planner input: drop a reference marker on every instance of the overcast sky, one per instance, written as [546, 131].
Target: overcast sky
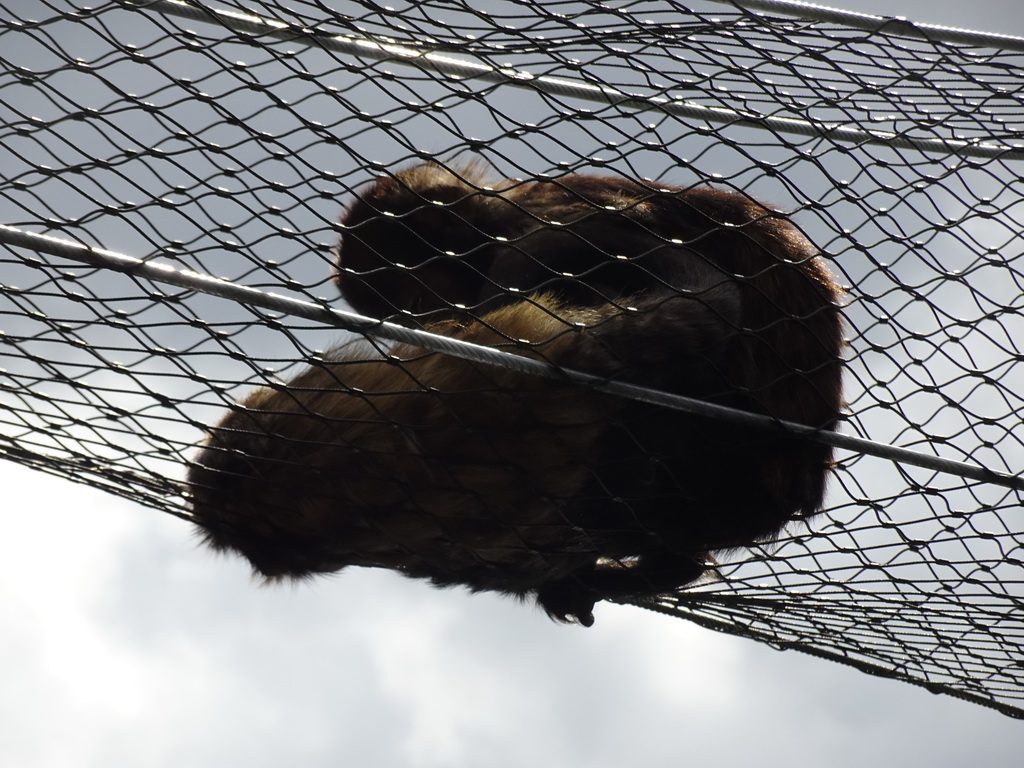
[122, 643]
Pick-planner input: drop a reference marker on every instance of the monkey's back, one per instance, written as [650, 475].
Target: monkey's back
[419, 462]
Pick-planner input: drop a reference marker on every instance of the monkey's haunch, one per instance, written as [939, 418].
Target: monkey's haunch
[467, 474]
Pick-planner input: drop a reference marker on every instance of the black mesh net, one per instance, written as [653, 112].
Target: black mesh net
[222, 140]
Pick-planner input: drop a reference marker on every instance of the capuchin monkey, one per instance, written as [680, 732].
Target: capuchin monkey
[481, 476]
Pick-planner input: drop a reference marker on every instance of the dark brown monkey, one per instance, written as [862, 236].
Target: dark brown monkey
[468, 474]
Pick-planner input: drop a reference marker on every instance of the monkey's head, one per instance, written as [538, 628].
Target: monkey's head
[417, 243]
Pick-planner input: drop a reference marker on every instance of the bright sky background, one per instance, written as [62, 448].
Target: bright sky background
[122, 643]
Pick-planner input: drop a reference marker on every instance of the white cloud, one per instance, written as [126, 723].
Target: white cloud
[124, 644]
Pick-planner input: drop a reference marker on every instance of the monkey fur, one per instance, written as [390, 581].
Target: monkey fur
[463, 473]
